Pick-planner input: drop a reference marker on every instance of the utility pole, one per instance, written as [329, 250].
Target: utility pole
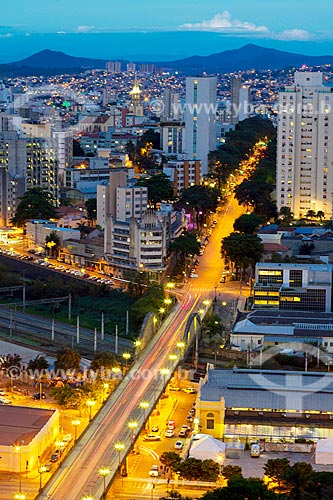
[116, 340]
[78, 329]
[127, 323]
[95, 340]
[52, 329]
[69, 307]
[102, 327]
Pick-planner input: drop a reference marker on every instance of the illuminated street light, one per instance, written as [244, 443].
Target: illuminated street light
[41, 471]
[164, 372]
[90, 404]
[162, 310]
[137, 343]
[75, 423]
[173, 357]
[181, 347]
[119, 447]
[105, 388]
[104, 472]
[20, 496]
[206, 302]
[201, 311]
[170, 285]
[144, 405]
[224, 303]
[87, 497]
[126, 356]
[132, 425]
[167, 301]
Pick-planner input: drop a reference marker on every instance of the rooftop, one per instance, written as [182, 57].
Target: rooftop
[20, 423]
[269, 389]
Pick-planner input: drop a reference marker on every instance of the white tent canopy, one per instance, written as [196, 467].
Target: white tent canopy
[324, 452]
[206, 447]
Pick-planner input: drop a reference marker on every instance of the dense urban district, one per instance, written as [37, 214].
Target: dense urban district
[166, 247]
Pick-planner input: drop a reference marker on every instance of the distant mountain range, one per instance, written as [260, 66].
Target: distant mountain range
[248, 57]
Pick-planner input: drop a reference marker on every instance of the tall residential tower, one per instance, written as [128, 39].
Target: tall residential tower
[305, 146]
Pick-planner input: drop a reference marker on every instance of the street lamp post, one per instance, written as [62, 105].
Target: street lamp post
[41, 471]
[119, 447]
[164, 372]
[75, 423]
[90, 404]
[19, 449]
[126, 356]
[104, 472]
[144, 405]
[132, 425]
[87, 497]
[181, 347]
[19, 496]
[105, 388]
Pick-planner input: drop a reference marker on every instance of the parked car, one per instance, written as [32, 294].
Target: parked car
[47, 467]
[37, 395]
[171, 424]
[152, 437]
[190, 390]
[68, 438]
[169, 433]
[155, 428]
[179, 445]
[54, 457]
[174, 388]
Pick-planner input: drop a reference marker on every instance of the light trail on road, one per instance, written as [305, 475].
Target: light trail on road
[78, 475]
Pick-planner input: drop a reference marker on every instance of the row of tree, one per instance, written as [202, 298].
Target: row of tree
[226, 159]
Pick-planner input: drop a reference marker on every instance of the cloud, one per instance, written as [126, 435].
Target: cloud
[294, 34]
[224, 22]
[84, 29]
[6, 35]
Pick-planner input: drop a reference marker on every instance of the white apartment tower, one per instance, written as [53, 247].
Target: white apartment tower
[200, 118]
[305, 146]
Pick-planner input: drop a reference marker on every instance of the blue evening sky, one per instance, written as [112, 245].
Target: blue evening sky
[77, 26]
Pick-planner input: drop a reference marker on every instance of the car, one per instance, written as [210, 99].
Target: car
[155, 428]
[169, 433]
[192, 412]
[37, 395]
[171, 424]
[5, 401]
[189, 418]
[174, 388]
[182, 433]
[47, 467]
[190, 390]
[222, 280]
[179, 445]
[154, 471]
[54, 457]
[152, 437]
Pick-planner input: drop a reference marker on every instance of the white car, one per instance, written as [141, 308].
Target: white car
[179, 445]
[154, 471]
[190, 390]
[169, 433]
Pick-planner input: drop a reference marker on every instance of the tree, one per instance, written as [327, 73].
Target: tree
[103, 359]
[310, 214]
[77, 149]
[298, 480]
[322, 484]
[306, 248]
[67, 396]
[39, 363]
[248, 223]
[202, 470]
[256, 193]
[320, 215]
[36, 203]
[242, 250]
[52, 242]
[286, 214]
[276, 469]
[231, 471]
[175, 495]
[201, 200]
[159, 188]
[170, 459]
[11, 360]
[91, 207]
[186, 244]
[240, 488]
[67, 359]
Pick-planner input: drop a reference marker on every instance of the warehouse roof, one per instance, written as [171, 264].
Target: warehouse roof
[20, 423]
[269, 389]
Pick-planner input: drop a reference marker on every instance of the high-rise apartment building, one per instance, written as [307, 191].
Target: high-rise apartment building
[131, 67]
[200, 118]
[172, 137]
[171, 107]
[113, 66]
[305, 145]
[240, 101]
